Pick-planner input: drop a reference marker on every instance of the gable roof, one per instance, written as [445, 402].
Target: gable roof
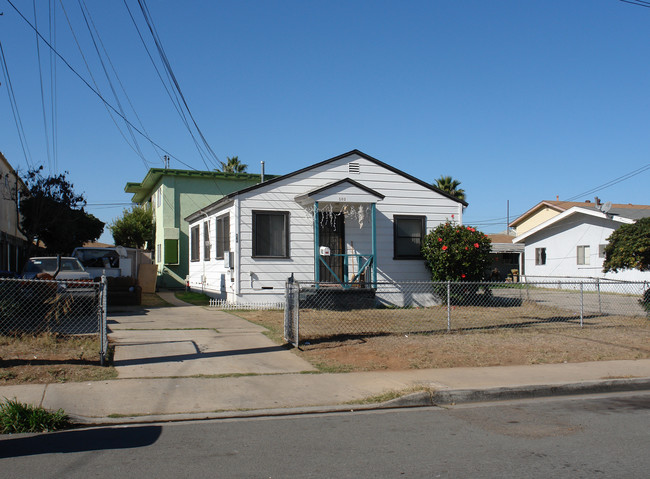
[628, 210]
[318, 165]
[344, 181]
[570, 212]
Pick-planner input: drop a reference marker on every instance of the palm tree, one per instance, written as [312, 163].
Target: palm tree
[450, 186]
[233, 165]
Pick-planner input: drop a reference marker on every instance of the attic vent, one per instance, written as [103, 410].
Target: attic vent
[353, 168]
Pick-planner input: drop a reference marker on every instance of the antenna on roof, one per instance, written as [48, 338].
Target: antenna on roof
[606, 207]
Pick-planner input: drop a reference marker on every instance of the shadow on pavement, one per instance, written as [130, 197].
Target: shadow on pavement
[188, 357]
[80, 441]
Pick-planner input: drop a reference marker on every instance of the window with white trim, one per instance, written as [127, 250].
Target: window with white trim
[206, 241]
[540, 256]
[270, 234]
[601, 250]
[223, 235]
[582, 253]
[408, 234]
[195, 239]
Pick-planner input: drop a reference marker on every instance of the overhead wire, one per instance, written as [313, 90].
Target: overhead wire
[40, 77]
[149, 21]
[627, 176]
[53, 89]
[640, 3]
[136, 145]
[174, 99]
[92, 77]
[173, 95]
[98, 94]
[624, 177]
[128, 99]
[24, 144]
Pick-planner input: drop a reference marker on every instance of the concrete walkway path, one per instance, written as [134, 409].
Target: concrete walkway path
[188, 340]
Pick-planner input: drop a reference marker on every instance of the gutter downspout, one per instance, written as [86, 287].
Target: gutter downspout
[237, 258]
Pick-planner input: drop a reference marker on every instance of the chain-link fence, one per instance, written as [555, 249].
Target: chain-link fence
[326, 310]
[67, 308]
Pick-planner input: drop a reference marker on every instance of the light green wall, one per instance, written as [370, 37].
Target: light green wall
[183, 196]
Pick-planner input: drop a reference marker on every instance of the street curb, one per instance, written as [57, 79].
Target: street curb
[418, 399]
[519, 392]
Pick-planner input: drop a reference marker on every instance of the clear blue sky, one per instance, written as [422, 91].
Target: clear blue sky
[519, 100]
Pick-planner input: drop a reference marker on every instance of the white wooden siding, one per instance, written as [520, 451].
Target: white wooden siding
[561, 241]
[402, 197]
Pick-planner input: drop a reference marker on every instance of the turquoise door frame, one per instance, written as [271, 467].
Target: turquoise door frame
[370, 261]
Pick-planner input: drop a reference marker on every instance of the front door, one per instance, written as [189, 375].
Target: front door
[331, 233]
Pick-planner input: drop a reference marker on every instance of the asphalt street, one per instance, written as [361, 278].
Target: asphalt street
[578, 437]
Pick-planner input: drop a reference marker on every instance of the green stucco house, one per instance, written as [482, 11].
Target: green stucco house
[173, 195]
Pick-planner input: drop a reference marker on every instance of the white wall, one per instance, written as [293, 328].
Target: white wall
[209, 275]
[561, 241]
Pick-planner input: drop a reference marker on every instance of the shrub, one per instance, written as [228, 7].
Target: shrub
[16, 417]
[456, 253]
[645, 301]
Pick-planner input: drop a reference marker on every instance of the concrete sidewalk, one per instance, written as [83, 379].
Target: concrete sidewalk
[138, 400]
[192, 362]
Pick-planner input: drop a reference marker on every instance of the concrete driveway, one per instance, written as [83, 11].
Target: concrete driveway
[182, 341]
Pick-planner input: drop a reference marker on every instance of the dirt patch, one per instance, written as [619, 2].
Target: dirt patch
[496, 347]
[49, 358]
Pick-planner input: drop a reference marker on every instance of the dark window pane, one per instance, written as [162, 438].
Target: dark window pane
[408, 234]
[270, 234]
[223, 236]
[171, 250]
[194, 245]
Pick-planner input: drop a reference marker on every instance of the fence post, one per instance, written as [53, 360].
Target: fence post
[291, 311]
[448, 306]
[600, 308]
[582, 301]
[103, 323]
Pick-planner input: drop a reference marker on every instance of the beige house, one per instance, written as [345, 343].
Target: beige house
[545, 210]
[13, 245]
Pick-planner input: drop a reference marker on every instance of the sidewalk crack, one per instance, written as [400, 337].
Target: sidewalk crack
[43, 396]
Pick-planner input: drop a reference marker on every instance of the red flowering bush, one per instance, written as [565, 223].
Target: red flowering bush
[456, 253]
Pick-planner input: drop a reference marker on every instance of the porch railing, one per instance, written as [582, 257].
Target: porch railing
[364, 263]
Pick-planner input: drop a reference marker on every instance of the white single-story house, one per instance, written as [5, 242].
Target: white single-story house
[572, 243]
[350, 220]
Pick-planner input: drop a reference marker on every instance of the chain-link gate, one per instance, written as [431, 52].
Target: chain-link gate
[71, 307]
[328, 310]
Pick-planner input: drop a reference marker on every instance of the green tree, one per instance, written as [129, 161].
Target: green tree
[456, 253]
[52, 213]
[134, 228]
[450, 186]
[233, 165]
[629, 247]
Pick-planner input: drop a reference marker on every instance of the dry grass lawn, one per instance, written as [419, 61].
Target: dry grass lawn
[489, 347]
[49, 358]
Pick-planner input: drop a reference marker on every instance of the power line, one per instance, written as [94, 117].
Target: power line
[147, 16]
[93, 89]
[136, 146]
[53, 96]
[14, 109]
[40, 77]
[640, 3]
[626, 176]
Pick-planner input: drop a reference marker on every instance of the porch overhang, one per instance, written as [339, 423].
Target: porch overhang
[343, 191]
